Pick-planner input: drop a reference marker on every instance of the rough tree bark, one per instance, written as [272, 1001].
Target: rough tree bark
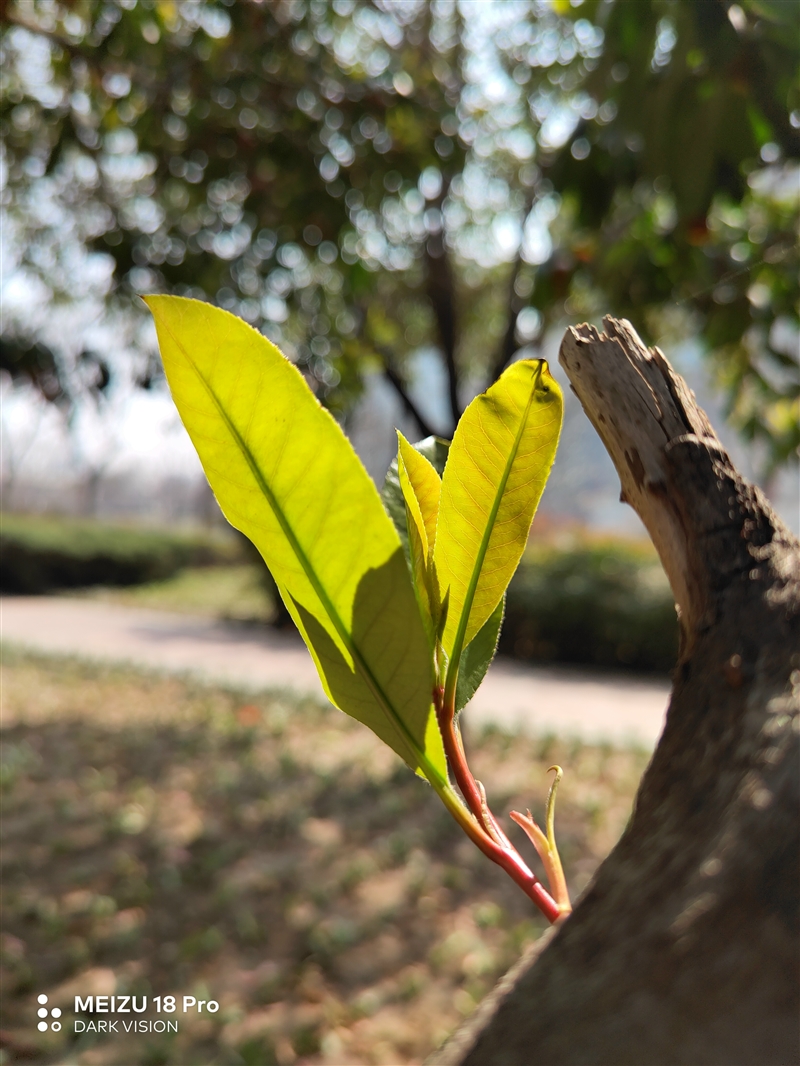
[685, 947]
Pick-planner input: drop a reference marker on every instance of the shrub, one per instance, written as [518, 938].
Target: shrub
[603, 603]
[38, 553]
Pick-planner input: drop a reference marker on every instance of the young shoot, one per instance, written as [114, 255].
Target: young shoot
[399, 596]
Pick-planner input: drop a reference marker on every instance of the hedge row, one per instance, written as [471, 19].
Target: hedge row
[606, 603]
[597, 603]
[39, 553]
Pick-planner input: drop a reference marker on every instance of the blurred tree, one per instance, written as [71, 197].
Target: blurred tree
[680, 191]
[360, 180]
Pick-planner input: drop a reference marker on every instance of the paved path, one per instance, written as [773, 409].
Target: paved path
[538, 700]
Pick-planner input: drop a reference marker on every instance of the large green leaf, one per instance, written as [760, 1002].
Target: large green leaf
[496, 470]
[286, 476]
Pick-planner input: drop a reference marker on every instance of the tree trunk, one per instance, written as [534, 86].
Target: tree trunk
[685, 947]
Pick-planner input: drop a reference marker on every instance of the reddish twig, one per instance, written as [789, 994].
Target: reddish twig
[482, 827]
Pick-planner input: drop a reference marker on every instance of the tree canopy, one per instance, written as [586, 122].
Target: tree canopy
[360, 180]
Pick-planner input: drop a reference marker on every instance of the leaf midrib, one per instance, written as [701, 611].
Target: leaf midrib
[311, 574]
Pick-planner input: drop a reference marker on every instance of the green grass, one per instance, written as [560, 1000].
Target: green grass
[237, 593]
[166, 837]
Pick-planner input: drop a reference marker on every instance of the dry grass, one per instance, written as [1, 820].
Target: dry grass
[166, 838]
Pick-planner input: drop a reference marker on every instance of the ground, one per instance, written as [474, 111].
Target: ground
[235, 593]
[163, 837]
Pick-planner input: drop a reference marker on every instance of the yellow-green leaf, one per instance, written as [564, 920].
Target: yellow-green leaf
[421, 487]
[496, 470]
[286, 476]
[435, 451]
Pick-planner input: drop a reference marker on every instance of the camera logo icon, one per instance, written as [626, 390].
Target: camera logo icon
[43, 1013]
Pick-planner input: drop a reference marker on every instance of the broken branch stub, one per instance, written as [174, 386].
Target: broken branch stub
[684, 949]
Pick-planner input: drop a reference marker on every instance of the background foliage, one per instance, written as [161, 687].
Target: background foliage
[360, 180]
[40, 553]
[596, 602]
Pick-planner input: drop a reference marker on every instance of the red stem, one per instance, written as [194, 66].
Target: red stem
[510, 861]
[484, 831]
[457, 759]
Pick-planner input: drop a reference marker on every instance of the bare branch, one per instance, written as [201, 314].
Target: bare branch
[410, 407]
[508, 345]
[441, 293]
[13, 18]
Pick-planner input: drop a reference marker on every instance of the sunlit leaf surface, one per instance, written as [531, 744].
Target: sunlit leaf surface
[418, 479]
[496, 470]
[421, 486]
[435, 450]
[286, 476]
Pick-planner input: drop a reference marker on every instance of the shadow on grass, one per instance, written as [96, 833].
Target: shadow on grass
[164, 839]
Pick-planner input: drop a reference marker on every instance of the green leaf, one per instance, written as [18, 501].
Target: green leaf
[286, 476]
[434, 449]
[421, 487]
[496, 470]
[477, 657]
